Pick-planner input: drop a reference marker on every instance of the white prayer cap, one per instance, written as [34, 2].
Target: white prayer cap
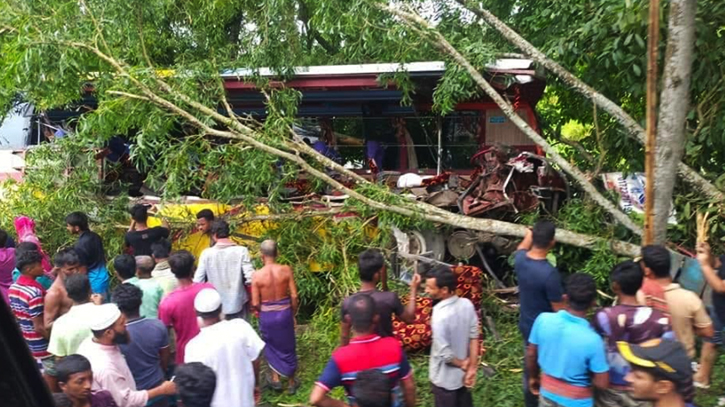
[103, 317]
[207, 300]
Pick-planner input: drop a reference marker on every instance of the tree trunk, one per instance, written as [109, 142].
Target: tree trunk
[438, 40]
[674, 105]
[634, 130]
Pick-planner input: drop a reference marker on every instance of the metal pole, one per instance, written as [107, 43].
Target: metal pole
[649, 163]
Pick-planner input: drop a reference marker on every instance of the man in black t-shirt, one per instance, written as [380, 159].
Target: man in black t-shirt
[371, 265]
[139, 236]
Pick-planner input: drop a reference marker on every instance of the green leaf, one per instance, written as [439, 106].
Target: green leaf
[637, 70]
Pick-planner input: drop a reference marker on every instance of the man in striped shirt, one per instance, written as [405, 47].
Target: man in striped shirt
[26, 301]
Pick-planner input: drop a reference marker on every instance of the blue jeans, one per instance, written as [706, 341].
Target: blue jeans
[717, 326]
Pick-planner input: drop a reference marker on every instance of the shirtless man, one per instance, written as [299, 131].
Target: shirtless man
[57, 302]
[274, 296]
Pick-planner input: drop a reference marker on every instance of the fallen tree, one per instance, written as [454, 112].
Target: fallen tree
[634, 130]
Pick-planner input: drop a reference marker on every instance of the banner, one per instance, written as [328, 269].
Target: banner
[631, 191]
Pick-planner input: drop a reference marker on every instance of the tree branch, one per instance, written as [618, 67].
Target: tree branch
[410, 208]
[438, 40]
[633, 128]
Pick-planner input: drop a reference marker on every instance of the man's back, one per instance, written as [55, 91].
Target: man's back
[364, 353]
[273, 282]
[70, 330]
[90, 250]
[228, 268]
[177, 311]
[539, 286]
[229, 348]
[387, 303]
[632, 324]
[152, 294]
[568, 350]
[687, 312]
[148, 337]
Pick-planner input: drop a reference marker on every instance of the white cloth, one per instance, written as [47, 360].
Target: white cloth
[104, 317]
[111, 373]
[228, 348]
[228, 268]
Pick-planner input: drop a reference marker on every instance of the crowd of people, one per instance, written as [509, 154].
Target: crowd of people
[636, 353]
[175, 330]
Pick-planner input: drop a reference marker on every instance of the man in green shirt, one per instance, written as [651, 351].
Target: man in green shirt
[71, 328]
[152, 290]
[126, 269]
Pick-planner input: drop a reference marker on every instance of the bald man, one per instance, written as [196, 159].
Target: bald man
[274, 296]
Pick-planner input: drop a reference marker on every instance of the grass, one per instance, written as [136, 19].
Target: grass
[318, 338]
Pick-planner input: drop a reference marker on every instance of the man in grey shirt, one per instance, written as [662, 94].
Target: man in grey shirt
[454, 353]
[229, 268]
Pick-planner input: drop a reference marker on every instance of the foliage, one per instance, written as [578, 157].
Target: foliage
[603, 44]
[62, 179]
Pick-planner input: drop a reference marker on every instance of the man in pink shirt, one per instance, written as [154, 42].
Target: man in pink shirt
[110, 371]
[177, 308]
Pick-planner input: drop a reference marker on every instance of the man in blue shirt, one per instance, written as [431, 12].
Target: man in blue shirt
[565, 355]
[539, 284]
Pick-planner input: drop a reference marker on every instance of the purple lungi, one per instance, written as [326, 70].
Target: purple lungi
[276, 321]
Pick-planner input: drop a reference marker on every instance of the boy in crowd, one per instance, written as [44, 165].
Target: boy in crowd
[565, 355]
[147, 352]
[630, 322]
[71, 329]
[26, 301]
[57, 302]
[75, 379]
[140, 237]
[90, 251]
[687, 313]
[371, 266]
[177, 309]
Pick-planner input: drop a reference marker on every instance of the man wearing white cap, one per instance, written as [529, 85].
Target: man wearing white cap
[231, 348]
[110, 371]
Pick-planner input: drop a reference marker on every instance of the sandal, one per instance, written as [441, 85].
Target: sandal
[294, 387]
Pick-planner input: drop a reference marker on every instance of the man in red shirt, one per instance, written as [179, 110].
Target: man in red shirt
[177, 309]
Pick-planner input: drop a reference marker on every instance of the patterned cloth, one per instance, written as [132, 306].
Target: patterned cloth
[418, 336]
[629, 323]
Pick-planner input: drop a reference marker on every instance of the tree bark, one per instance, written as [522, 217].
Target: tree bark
[633, 128]
[674, 105]
[438, 40]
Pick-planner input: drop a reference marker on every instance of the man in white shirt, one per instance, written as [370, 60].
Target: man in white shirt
[110, 371]
[231, 348]
[228, 267]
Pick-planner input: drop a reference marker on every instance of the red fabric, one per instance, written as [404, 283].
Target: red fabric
[418, 336]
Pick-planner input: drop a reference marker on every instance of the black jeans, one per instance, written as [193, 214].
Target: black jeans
[450, 398]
